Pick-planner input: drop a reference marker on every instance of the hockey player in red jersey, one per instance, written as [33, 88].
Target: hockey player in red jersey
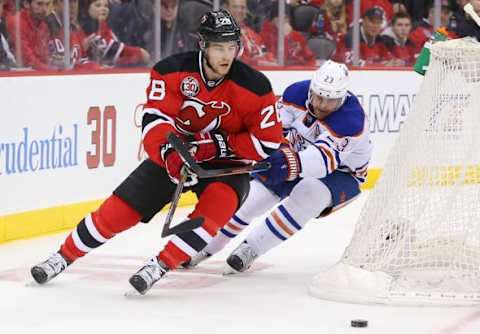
[198, 95]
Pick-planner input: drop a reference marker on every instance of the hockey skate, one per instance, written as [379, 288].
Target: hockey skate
[150, 273]
[45, 271]
[196, 259]
[240, 259]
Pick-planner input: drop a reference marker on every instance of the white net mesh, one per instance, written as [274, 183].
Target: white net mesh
[421, 224]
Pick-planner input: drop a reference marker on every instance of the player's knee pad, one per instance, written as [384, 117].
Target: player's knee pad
[309, 198]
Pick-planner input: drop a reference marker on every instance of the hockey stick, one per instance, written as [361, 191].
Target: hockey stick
[193, 167]
[185, 226]
[180, 146]
[468, 8]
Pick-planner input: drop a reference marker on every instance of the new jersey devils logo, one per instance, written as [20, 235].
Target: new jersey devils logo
[198, 116]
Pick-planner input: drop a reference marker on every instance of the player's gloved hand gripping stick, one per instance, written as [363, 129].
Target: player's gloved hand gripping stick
[192, 167]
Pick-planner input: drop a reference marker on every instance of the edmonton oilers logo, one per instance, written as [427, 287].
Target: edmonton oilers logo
[189, 86]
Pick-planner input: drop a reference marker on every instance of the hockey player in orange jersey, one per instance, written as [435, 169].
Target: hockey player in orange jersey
[198, 95]
[319, 172]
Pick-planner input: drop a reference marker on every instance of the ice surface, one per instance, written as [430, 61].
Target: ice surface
[272, 297]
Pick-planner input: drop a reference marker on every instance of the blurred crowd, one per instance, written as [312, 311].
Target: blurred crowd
[134, 33]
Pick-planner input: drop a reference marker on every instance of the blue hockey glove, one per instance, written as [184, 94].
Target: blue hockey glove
[285, 167]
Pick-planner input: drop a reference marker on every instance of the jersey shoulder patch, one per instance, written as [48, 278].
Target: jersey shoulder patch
[349, 120]
[296, 94]
[249, 78]
[183, 62]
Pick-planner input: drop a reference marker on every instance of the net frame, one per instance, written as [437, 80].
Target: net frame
[417, 239]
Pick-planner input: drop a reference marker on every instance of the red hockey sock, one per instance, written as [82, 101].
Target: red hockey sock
[217, 204]
[113, 216]
[216, 216]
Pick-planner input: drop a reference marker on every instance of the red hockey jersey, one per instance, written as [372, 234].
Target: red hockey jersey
[109, 49]
[242, 104]
[255, 52]
[78, 56]
[405, 52]
[370, 54]
[296, 49]
[33, 38]
[385, 5]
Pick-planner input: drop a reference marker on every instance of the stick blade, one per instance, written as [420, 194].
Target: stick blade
[183, 227]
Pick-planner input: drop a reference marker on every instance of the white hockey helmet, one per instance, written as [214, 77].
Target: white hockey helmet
[330, 81]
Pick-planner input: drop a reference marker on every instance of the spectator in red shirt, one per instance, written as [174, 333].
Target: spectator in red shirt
[31, 50]
[373, 49]
[296, 49]
[101, 43]
[398, 43]
[385, 5]
[254, 49]
[78, 56]
[423, 29]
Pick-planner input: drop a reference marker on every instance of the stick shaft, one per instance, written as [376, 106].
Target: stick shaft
[175, 199]
[468, 8]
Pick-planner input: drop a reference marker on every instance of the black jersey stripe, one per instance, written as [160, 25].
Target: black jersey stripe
[149, 118]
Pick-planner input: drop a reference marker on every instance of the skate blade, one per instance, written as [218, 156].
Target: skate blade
[132, 294]
[31, 283]
[227, 270]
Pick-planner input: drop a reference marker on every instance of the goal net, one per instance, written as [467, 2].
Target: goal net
[417, 240]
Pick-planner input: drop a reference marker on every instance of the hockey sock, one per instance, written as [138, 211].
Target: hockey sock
[185, 245]
[278, 226]
[234, 227]
[113, 216]
[291, 216]
[258, 202]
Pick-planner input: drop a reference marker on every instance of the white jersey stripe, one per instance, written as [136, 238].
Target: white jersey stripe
[200, 231]
[157, 112]
[183, 246]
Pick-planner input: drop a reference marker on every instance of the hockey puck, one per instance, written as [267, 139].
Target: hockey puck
[359, 323]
